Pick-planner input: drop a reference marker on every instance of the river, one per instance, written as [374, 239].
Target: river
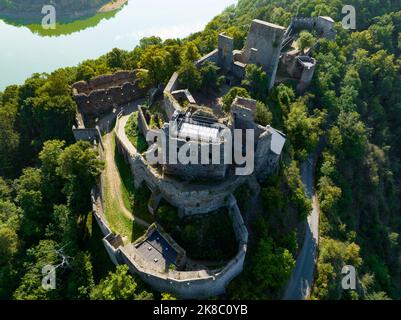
[23, 51]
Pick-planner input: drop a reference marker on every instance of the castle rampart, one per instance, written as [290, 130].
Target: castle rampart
[101, 94]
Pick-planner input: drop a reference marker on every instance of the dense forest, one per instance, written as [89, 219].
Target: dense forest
[31, 10]
[351, 112]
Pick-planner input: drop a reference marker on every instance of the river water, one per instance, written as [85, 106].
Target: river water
[23, 51]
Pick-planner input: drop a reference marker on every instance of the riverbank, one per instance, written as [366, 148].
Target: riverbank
[112, 6]
[27, 14]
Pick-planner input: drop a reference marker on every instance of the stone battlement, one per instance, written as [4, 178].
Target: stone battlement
[195, 284]
[102, 94]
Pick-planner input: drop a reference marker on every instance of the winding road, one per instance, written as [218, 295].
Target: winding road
[300, 284]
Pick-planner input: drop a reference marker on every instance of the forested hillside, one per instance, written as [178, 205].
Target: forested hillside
[31, 10]
[352, 110]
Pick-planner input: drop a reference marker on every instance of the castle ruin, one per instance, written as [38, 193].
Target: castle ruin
[194, 189]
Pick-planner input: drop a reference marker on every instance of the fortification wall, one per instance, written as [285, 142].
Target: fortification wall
[101, 94]
[225, 51]
[142, 123]
[266, 38]
[192, 198]
[186, 284]
[170, 103]
[323, 25]
[211, 57]
[86, 134]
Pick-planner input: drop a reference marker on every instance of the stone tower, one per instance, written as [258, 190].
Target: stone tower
[263, 47]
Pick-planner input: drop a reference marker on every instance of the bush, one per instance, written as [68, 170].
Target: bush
[189, 76]
[263, 114]
[231, 95]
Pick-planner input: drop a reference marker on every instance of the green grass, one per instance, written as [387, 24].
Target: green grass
[135, 200]
[134, 133]
[101, 262]
[119, 222]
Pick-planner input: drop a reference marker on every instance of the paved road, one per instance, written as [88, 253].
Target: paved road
[300, 284]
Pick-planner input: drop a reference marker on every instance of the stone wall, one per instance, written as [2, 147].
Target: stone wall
[170, 103]
[239, 69]
[212, 57]
[86, 134]
[266, 39]
[101, 94]
[198, 284]
[190, 199]
[225, 50]
[142, 123]
[184, 284]
[323, 25]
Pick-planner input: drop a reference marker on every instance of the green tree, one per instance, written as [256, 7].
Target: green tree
[303, 130]
[30, 199]
[353, 136]
[333, 256]
[298, 193]
[210, 76]
[273, 266]
[119, 285]
[49, 158]
[168, 296]
[9, 243]
[30, 287]
[79, 166]
[9, 139]
[190, 52]
[80, 282]
[306, 40]
[159, 63]
[256, 81]
[84, 72]
[189, 76]
[150, 41]
[116, 59]
[229, 98]
[263, 114]
[5, 192]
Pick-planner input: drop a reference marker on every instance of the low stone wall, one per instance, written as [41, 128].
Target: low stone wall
[239, 69]
[170, 103]
[212, 57]
[142, 123]
[241, 232]
[86, 134]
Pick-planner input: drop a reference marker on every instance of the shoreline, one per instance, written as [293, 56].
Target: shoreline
[112, 6]
[64, 16]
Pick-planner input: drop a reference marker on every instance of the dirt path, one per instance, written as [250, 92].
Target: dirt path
[113, 179]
